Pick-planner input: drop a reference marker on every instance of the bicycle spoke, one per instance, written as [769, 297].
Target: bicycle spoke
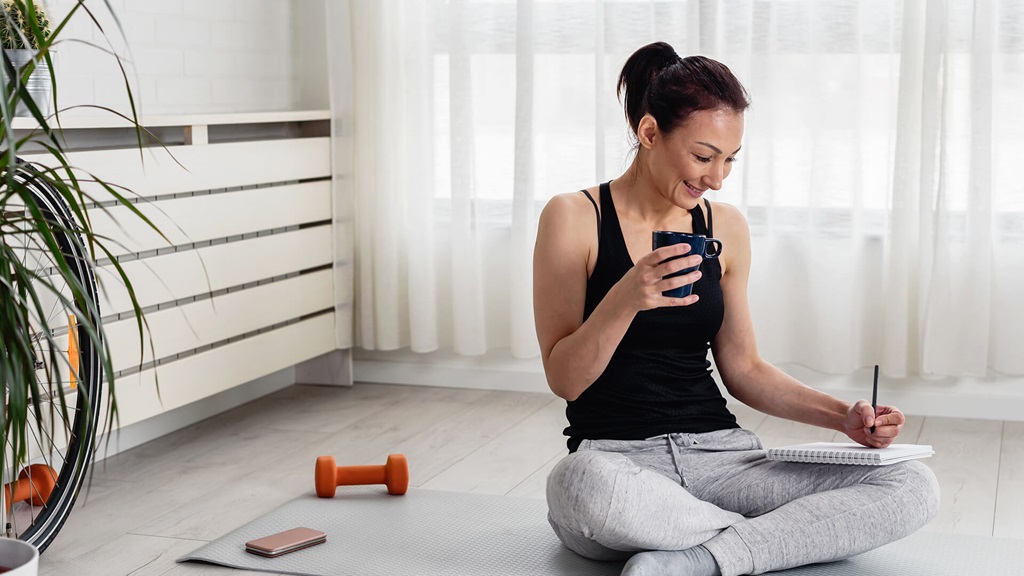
[67, 361]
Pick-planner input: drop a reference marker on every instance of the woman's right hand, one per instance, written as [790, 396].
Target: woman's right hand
[645, 282]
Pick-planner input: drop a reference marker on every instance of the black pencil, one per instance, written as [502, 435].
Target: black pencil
[874, 397]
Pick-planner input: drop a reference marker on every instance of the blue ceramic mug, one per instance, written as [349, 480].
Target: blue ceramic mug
[699, 244]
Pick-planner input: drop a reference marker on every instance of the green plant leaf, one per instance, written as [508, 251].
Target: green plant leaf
[34, 400]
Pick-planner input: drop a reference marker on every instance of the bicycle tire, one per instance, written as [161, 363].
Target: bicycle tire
[84, 414]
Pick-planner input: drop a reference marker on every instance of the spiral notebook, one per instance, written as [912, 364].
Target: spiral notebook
[849, 453]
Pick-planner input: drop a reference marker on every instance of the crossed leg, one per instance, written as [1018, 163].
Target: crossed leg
[752, 514]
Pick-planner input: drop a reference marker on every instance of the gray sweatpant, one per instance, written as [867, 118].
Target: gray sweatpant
[612, 498]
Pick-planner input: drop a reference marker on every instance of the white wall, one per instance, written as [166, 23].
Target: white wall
[309, 47]
[196, 56]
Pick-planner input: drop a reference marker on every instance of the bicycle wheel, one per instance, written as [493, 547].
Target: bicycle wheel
[44, 488]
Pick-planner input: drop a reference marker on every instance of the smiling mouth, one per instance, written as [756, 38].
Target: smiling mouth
[694, 191]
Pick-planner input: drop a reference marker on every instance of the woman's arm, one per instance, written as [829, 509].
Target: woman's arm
[575, 352]
[761, 385]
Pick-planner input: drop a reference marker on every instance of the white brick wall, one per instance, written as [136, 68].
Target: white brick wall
[191, 56]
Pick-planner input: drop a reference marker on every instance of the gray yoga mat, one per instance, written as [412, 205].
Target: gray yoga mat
[433, 533]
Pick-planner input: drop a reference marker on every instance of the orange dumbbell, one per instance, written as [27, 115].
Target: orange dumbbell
[395, 474]
[34, 484]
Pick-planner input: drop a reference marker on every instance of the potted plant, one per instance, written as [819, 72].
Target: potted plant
[54, 360]
[20, 35]
[21, 557]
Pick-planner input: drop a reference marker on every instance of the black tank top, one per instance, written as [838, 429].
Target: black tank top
[658, 380]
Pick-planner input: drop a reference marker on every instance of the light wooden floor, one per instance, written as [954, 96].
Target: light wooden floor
[152, 504]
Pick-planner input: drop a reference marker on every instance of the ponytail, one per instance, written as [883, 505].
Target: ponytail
[656, 81]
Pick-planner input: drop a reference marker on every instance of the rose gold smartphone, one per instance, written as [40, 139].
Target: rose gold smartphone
[285, 542]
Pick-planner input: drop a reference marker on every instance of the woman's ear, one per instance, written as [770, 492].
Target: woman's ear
[647, 131]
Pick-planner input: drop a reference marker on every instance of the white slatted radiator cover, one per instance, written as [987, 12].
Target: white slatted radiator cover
[243, 284]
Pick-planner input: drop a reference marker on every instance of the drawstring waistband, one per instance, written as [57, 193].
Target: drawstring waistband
[675, 443]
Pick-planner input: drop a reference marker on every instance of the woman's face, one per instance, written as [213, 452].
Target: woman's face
[696, 156]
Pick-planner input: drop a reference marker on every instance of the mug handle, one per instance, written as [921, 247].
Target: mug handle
[718, 248]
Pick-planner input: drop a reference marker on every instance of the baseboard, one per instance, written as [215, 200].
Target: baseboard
[380, 372]
[492, 371]
[331, 369]
[996, 398]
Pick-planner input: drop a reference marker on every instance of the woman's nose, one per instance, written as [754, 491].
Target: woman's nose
[713, 178]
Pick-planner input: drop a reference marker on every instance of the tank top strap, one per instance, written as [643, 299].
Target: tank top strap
[596, 211]
[711, 224]
[611, 229]
[606, 200]
[699, 225]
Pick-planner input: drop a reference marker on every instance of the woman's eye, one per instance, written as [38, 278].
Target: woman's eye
[704, 159]
[732, 159]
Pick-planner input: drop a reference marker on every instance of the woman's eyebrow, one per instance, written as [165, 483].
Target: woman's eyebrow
[715, 148]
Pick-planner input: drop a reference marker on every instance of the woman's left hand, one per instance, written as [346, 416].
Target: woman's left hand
[860, 418]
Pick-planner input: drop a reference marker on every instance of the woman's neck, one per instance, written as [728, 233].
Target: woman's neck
[637, 196]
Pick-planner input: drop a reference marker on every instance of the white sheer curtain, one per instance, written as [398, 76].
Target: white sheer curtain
[877, 170]
[955, 256]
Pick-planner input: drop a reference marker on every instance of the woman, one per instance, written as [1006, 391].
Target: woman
[657, 463]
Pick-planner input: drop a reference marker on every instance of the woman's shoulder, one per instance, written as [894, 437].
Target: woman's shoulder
[572, 207]
[568, 226]
[726, 211]
[728, 219]
[732, 229]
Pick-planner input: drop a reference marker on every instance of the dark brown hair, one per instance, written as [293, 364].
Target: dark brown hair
[656, 81]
